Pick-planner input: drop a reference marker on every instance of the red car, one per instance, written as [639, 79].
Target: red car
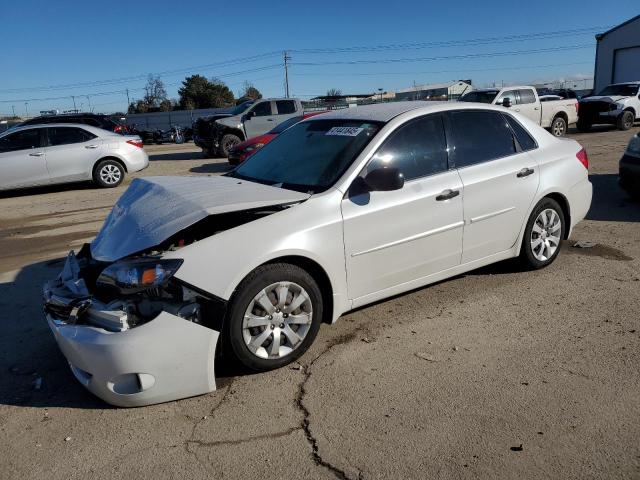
[243, 150]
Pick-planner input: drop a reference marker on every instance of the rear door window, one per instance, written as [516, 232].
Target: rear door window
[417, 149]
[525, 139]
[67, 136]
[480, 136]
[526, 96]
[23, 140]
[285, 107]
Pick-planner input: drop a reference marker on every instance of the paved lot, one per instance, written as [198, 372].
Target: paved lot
[444, 382]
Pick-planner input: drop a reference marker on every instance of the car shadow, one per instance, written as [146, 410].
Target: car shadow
[33, 371]
[610, 203]
[212, 168]
[61, 187]
[171, 156]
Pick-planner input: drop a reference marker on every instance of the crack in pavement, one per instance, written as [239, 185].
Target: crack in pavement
[239, 441]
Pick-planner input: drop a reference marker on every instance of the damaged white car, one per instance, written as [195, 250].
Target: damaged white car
[339, 211]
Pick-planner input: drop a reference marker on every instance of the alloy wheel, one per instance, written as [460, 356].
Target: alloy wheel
[277, 320]
[559, 128]
[110, 174]
[545, 235]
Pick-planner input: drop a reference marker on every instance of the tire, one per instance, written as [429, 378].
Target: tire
[108, 173]
[253, 346]
[583, 126]
[537, 257]
[625, 121]
[228, 141]
[559, 127]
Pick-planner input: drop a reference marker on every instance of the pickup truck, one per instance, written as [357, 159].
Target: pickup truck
[555, 115]
[617, 104]
[221, 134]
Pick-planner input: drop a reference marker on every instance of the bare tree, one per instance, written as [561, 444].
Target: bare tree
[154, 92]
[334, 92]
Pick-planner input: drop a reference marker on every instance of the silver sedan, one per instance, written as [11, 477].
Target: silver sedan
[38, 155]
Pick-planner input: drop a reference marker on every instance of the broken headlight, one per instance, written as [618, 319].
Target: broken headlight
[133, 276]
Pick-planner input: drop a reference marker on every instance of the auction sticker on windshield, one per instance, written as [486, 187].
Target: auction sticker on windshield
[344, 131]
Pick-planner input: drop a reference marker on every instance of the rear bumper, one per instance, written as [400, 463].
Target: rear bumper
[629, 174]
[579, 197]
[137, 160]
[608, 118]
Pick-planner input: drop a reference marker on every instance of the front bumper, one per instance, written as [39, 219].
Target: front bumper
[629, 174]
[165, 359]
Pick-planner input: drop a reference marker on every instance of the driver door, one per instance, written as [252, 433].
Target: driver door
[23, 159]
[260, 119]
[395, 237]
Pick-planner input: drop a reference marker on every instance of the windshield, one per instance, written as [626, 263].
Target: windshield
[620, 90]
[238, 109]
[310, 156]
[480, 97]
[284, 125]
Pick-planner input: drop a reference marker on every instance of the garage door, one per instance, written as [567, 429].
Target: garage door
[627, 65]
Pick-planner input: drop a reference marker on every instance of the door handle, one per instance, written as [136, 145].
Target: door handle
[447, 194]
[36, 154]
[91, 146]
[536, 108]
[517, 109]
[525, 172]
[269, 119]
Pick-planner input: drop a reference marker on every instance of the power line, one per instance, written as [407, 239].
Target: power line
[445, 57]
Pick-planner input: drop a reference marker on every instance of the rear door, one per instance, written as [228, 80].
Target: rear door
[261, 118]
[500, 179]
[23, 159]
[71, 153]
[285, 109]
[395, 237]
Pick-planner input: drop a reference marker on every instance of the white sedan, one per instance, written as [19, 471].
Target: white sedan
[339, 211]
[37, 155]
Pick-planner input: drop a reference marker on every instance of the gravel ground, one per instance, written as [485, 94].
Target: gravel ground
[497, 373]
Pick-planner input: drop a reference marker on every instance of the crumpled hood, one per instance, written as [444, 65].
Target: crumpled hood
[608, 99]
[153, 209]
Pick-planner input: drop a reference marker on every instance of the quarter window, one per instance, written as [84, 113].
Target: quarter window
[480, 137]
[23, 140]
[285, 107]
[68, 135]
[526, 96]
[262, 109]
[416, 149]
[525, 140]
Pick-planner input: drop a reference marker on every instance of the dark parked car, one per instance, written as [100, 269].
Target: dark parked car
[91, 119]
[630, 168]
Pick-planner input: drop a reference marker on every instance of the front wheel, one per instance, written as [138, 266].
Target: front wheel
[543, 234]
[274, 316]
[108, 174]
[227, 142]
[559, 127]
[625, 121]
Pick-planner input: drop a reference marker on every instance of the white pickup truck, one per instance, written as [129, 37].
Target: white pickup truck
[556, 115]
[617, 104]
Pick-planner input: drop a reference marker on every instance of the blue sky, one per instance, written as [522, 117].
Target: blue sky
[62, 43]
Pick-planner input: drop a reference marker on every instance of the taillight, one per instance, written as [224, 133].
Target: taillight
[583, 157]
[135, 143]
[118, 129]
[577, 107]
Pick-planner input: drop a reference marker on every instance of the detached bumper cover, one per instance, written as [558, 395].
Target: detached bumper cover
[165, 359]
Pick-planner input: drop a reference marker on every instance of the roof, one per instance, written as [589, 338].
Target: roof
[600, 35]
[95, 130]
[342, 97]
[377, 112]
[433, 86]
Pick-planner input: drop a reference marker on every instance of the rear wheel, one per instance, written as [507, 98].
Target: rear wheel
[108, 173]
[227, 143]
[274, 317]
[583, 125]
[559, 127]
[543, 234]
[625, 121]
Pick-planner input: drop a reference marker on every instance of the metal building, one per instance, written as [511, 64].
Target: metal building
[618, 54]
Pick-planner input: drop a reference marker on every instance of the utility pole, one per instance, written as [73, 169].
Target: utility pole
[74, 102]
[128, 101]
[13, 108]
[26, 108]
[286, 73]
[89, 101]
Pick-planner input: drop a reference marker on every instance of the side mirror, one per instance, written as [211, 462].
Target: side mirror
[384, 180]
[506, 102]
